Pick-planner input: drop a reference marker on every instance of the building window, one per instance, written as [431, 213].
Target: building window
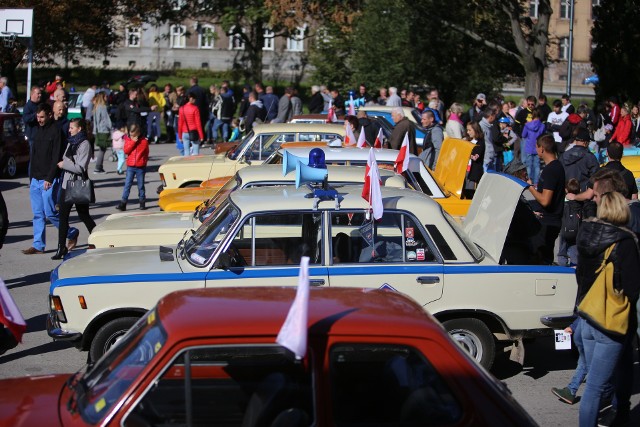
[132, 36]
[295, 43]
[594, 13]
[269, 40]
[563, 49]
[178, 4]
[565, 9]
[207, 37]
[178, 36]
[534, 8]
[235, 40]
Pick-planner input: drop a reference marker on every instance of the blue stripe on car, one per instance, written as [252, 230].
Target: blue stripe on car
[346, 270]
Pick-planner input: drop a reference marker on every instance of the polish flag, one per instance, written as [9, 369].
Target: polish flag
[371, 190]
[362, 142]
[350, 138]
[402, 161]
[378, 142]
[293, 334]
[352, 110]
[331, 114]
[10, 315]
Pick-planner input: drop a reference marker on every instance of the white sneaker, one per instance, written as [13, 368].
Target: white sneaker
[93, 160]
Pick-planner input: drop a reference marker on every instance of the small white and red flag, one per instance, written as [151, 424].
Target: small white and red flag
[293, 334]
[331, 114]
[349, 138]
[378, 142]
[402, 161]
[362, 142]
[10, 315]
[371, 190]
[352, 109]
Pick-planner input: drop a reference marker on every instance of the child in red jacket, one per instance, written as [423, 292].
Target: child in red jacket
[136, 147]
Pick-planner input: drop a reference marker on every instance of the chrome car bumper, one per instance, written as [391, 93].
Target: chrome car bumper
[57, 333]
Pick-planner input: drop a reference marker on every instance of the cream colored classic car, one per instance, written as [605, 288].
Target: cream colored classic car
[445, 184]
[257, 236]
[164, 228]
[260, 143]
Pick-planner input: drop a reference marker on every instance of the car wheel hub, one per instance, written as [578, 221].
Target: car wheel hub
[469, 342]
[12, 167]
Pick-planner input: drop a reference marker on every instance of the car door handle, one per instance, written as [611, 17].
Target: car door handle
[316, 282]
[428, 280]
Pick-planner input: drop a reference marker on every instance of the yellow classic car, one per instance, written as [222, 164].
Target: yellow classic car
[255, 148]
[445, 184]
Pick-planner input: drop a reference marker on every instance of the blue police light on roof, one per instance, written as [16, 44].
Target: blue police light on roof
[316, 159]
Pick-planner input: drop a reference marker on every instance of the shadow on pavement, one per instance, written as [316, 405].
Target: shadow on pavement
[31, 279]
[37, 323]
[41, 349]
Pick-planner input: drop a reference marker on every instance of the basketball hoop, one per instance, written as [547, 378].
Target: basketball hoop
[8, 39]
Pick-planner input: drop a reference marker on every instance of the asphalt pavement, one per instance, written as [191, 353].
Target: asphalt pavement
[27, 277]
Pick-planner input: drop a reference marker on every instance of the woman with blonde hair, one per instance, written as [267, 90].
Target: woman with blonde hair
[101, 129]
[603, 348]
[455, 127]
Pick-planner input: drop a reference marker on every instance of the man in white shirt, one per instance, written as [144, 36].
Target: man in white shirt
[555, 120]
[394, 99]
[5, 94]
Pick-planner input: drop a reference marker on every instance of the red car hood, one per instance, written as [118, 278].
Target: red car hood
[31, 401]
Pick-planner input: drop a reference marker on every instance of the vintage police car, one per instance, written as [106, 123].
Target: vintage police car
[257, 236]
[260, 143]
[209, 357]
[445, 184]
[166, 228]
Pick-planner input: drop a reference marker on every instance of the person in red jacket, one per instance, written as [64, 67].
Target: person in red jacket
[136, 147]
[189, 126]
[622, 133]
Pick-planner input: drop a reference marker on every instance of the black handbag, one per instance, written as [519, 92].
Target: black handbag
[79, 190]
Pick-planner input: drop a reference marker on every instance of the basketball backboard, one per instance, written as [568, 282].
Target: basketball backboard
[16, 21]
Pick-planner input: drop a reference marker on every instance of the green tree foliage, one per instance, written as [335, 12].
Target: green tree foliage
[329, 54]
[616, 36]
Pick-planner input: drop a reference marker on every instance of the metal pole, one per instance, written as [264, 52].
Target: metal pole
[570, 62]
[29, 64]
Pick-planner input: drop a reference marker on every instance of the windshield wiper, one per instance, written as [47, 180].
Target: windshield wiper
[79, 387]
[183, 243]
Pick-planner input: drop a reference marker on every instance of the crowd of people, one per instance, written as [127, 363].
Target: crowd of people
[590, 211]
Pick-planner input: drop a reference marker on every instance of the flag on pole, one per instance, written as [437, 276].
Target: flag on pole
[402, 161]
[10, 315]
[352, 110]
[293, 334]
[362, 142]
[378, 142]
[331, 113]
[350, 138]
[371, 190]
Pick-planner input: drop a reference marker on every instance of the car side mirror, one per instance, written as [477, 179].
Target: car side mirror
[223, 262]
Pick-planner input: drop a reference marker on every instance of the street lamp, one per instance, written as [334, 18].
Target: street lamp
[570, 62]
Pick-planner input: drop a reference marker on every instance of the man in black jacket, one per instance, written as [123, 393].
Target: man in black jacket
[256, 113]
[46, 152]
[316, 102]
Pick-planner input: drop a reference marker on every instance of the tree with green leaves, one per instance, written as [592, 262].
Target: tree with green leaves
[616, 36]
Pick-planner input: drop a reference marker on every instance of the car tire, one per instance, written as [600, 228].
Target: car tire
[10, 167]
[192, 185]
[475, 338]
[108, 335]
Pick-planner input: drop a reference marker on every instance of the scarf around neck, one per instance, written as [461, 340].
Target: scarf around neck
[74, 142]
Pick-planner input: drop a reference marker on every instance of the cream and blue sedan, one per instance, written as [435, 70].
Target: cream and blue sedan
[258, 235]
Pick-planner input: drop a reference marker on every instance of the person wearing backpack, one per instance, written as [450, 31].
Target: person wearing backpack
[571, 219]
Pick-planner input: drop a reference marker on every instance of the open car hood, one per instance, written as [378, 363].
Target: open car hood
[451, 166]
[491, 211]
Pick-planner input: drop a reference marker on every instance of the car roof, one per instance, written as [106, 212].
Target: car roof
[287, 198]
[261, 311]
[349, 153]
[273, 173]
[299, 127]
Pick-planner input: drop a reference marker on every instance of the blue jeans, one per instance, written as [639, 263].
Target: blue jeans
[581, 370]
[532, 162]
[120, 154]
[190, 147]
[225, 129]
[128, 183]
[43, 206]
[153, 126]
[567, 254]
[601, 352]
